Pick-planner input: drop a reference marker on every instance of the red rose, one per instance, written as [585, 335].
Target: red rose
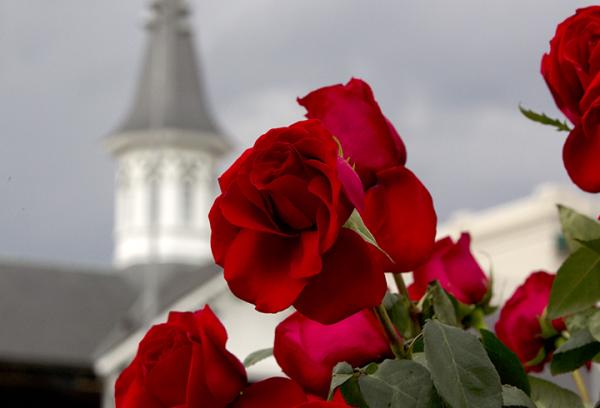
[279, 392]
[277, 228]
[581, 152]
[182, 363]
[307, 351]
[453, 265]
[398, 208]
[573, 61]
[519, 327]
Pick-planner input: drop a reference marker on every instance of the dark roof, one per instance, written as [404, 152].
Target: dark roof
[70, 316]
[169, 93]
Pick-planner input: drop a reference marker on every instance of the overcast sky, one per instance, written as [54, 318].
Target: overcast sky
[449, 74]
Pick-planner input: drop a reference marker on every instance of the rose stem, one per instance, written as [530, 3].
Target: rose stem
[399, 279]
[395, 340]
[581, 387]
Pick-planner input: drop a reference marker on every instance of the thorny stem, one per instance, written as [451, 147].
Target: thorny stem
[396, 341]
[403, 291]
[581, 387]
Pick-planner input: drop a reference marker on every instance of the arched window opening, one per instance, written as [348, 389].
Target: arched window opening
[153, 196]
[188, 189]
[188, 201]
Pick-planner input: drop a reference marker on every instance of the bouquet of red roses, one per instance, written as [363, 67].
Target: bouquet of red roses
[314, 216]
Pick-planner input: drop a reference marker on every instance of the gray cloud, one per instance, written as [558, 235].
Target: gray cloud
[448, 74]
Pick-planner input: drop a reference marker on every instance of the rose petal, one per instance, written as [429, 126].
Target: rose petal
[306, 260]
[242, 212]
[468, 281]
[399, 213]
[433, 270]
[276, 392]
[455, 268]
[222, 232]
[258, 270]
[581, 155]
[129, 392]
[232, 172]
[307, 351]
[168, 377]
[352, 115]
[518, 325]
[352, 185]
[224, 375]
[351, 280]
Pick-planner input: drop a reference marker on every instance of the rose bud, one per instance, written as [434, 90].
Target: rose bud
[182, 363]
[278, 392]
[455, 268]
[519, 325]
[277, 227]
[307, 351]
[573, 61]
[398, 208]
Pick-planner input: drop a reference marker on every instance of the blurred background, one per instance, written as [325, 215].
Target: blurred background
[449, 75]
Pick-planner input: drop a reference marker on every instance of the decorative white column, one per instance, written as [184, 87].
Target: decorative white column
[163, 198]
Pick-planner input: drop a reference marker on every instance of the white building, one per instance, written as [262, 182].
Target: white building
[69, 331]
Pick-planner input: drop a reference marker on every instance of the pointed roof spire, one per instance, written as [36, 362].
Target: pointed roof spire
[170, 96]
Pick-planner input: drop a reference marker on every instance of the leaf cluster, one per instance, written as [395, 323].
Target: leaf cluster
[576, 291]
[456, 368]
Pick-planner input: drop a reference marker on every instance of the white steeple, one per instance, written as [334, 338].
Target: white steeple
[166, 150]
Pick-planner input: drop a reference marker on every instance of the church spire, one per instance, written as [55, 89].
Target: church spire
[170, 95]
[166, 149]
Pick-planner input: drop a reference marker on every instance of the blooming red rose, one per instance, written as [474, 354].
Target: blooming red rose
[307, 351]
[581, 152]
[277, 228]
[182, 363]
[455, 268]
[398, 208]
[573, 61]
[279, 392]
[519, 327]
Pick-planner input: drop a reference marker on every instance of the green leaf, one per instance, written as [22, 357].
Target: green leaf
[442, 305]
[593, 325]
[461, 370]
[549, 395]
[515, 397]
[351, 393]
[577, 227]
[580, 320]
[257, 356]
[577, 283]
[421, 359]
[593, 245]
[356, 224]
[341, 373]
[545, 120]
[401, 384]
[579, 349]
[507, 363]
[398, 308]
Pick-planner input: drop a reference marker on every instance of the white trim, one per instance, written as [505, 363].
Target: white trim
[122, 353]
